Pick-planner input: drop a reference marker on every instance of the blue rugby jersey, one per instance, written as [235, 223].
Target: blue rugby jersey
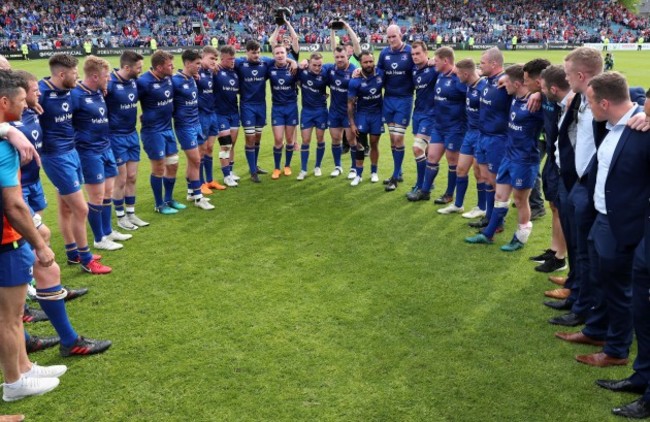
[283, 85]
[339, 80]
[397, 66]
[30, 127]
[524, 129]
[313, 88]
[90, 119]
[552, 112]
[122, 102]
[253, 79]
[56, 120]
[424, 80]
[495, 107]
[205, 86]
[226, 89]
[157, 101]
[473, 103]
[186, 100]
[367, 90]
[449, 103]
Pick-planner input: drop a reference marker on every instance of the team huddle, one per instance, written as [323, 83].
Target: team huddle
[85, 132]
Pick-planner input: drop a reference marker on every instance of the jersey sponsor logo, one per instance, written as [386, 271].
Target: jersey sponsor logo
[254, 72]
[281, 81]
[194, 94]
[438, 90]
[232, 82]
[167, 94]
[310, 83]
[512, 116]
[485, 91]
[394, 65]
[35, 134]
[337, 82]
[373, 91]
[65, 107]
[102, 111]
[131, 97]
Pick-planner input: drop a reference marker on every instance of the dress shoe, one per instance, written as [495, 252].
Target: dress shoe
[638, 409]
[560, 305]
[601, 359]
[568, 320]
[579, 338]
[622, 386]
[556, 279]
[558, 293]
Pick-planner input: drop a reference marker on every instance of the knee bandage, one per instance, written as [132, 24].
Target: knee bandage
[171, 159]
[258, 129]
[224, 154]
[420, 143]
[396, 130]
[37, 220]
[60, 295]
[249, 131]
[500, 204]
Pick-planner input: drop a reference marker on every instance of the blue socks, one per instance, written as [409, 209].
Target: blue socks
[55, 311]
[208, 162]
[498, 214]
[250, 159]
[480, 190]
[451, 181]
[157, 188]
[168, 183]
[320, 153]
[461, 188]
[337, 150]
[95, 220]
[430, 174]
[304, 156]
[71, 251]
[277, 157]
[421, 166]
[398, 159]
[288, 154]
[106, 216]
[489, 200]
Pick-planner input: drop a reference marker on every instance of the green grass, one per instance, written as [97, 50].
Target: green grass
[317, 301]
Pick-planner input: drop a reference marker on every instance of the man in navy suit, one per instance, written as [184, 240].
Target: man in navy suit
[636, 153]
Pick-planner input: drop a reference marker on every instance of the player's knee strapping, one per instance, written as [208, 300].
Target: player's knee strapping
[51, 296]
[226, 145]
[397, 130]
[171, 159]
[501, 204]
[249, 130]
[420, 143]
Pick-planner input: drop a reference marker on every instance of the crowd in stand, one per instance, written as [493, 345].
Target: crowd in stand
[47, 24]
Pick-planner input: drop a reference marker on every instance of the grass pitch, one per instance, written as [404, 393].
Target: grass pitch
[317, 301]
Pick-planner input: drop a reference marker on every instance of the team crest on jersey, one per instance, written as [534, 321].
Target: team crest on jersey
[379, 80]
[167, 94]
[426, 70]
[519, 182]
[512, 116]
[133, 84]
[65, 107]
[523, 107]
[404, 57]
[102, 111]
[448, 83]
[131, 97]
[394, 65]
[474, 93]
